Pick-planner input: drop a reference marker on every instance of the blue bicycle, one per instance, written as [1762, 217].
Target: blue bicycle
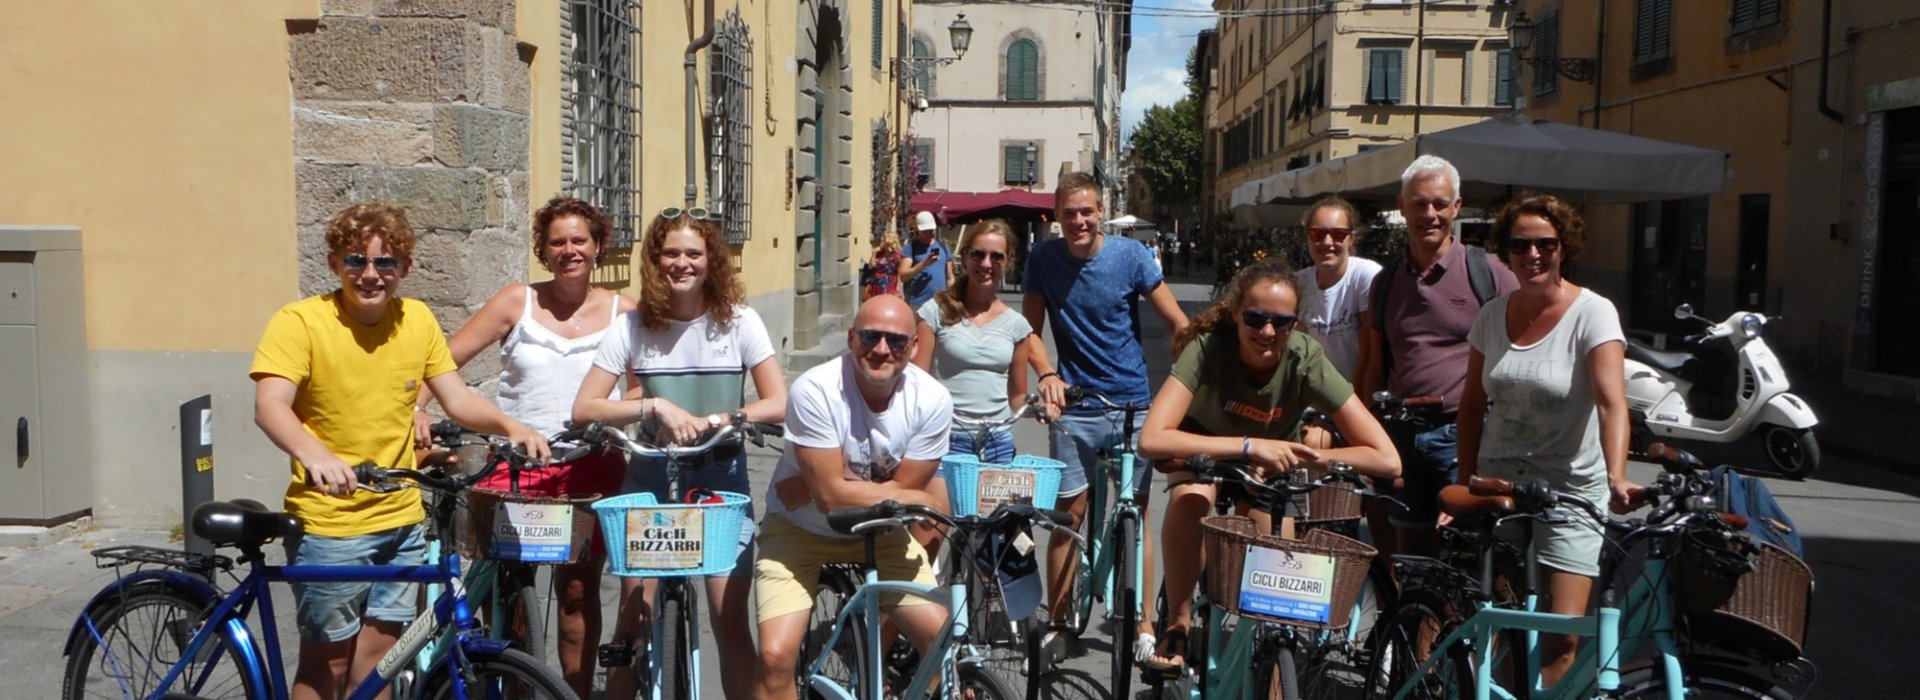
[165, 631]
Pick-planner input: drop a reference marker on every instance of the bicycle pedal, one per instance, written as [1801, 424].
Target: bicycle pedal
[616, 655]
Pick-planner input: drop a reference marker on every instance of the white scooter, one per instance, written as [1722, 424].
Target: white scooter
[1725, 384]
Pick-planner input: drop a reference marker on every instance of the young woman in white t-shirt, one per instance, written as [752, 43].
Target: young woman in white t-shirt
[686, 354]
[1546, 398]
[548, 333]
[1335, 288]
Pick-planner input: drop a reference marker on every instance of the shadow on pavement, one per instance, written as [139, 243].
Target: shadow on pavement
[1070, 684]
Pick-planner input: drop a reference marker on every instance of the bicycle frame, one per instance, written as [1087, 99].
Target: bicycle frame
[1104, 517]
[230, 616]
[936, 667]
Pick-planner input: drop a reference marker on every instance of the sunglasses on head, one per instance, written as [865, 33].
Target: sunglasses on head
[1256, 320]
[695, 213]
[870, 339]
[384, 263]
[978, 255]
[1339, 234]
[1519, 246]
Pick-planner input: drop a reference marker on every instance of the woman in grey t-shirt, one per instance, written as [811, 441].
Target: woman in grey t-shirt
[1546, 398]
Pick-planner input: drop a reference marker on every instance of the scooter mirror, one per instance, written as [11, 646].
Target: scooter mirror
[1683, 311]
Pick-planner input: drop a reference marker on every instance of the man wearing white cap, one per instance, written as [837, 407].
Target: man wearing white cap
[926, 271]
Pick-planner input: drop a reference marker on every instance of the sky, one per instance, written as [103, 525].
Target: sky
[1157, 63]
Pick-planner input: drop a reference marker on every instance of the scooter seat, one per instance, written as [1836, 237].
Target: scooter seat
[1669, 362]
[242, 522]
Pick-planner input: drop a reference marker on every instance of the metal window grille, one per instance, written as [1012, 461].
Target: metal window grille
[600, 103]
[730, 128]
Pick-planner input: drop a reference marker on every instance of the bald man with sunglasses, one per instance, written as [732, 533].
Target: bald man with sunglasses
[863, 428]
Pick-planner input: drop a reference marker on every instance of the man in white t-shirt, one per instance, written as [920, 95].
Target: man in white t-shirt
[1334, 291]
[863, 428]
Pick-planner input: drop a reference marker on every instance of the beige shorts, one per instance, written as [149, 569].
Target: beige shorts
[787, 573]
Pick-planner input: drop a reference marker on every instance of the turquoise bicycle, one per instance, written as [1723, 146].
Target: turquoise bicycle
[1428, 652]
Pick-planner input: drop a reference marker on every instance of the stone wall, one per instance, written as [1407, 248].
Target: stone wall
[423, 103]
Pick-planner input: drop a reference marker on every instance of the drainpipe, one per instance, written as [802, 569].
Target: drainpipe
[1599, 62]
[1826, 44]
[693, 101]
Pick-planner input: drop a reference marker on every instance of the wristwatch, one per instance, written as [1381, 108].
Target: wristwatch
[714, 421]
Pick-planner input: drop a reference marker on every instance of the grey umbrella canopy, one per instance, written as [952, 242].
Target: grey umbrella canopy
[1508, 154]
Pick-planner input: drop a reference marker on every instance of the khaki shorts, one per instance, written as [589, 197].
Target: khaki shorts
[787, 573]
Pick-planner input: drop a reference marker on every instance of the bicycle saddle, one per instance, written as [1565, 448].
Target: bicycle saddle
[1457, 501]
[241, 522]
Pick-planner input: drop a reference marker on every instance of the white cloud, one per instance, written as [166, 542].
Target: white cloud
[1157, 62]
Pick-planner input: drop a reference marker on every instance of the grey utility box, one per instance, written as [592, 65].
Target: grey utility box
[46, 469]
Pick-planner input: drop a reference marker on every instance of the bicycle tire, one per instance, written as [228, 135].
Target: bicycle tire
[980, 683]
[837, 585]
[1277, 675]
[1002, 639]
[1334, 663]
[1125, 608]
[1710, 681]
[523, 609]
[165, 620]
[675, 681]
[1420, 619]
[511, 673]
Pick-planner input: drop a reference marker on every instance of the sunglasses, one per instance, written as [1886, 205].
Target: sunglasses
[1339, 234]
[1256, 320]
[978, 255]
[384, 263]
[1519, 246]
[870, 339]
[695, 213]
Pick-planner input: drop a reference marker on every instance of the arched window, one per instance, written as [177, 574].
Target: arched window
[1023, 70]
[922, 83]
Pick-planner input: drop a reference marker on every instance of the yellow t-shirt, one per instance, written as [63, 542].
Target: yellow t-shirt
[357, 384]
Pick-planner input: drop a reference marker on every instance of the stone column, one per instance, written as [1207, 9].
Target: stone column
[425, 104]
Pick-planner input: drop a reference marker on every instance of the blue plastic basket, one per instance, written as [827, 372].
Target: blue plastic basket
[963, 473]
[719, 536]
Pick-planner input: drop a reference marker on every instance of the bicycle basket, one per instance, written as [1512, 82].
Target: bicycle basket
[533, 536]
[1764, 610]
[1310, 582]
[977, 488]
[649, 539]
[1331, 503]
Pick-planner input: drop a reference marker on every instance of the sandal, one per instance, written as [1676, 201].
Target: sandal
[1171, 661]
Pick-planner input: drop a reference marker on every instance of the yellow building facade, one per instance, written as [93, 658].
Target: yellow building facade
[199, 146]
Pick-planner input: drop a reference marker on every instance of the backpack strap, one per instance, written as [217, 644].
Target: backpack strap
[1480, 275]
[1382, 286]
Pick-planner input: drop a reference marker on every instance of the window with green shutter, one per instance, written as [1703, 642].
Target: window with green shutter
[1747, 15]
[1503, 78]
[1652, 31]
[1023, 71]
[1546, 54]
[922, 83]
[1383, 75]
[879, 31]
[1013, 164]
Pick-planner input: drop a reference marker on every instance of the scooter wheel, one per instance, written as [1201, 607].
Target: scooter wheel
[1794, 452]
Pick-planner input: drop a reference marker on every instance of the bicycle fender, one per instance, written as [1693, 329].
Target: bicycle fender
[471, 647]
[179, 581]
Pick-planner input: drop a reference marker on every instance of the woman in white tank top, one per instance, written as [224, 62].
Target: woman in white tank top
[548, 333]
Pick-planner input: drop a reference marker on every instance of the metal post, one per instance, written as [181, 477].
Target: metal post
[196, 466]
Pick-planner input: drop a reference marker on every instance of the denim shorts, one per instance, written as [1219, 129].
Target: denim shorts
[1078, 441]
[999, 445]
[649, 475]
[1428, 460]
[331, 611]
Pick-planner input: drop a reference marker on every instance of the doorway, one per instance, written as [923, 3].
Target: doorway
[1750, 281]
[1669, 263]
[1896, 302]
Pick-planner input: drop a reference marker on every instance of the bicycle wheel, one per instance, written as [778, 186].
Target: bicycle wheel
[1334, 663]
[526, 618]
[1125, 607]
[1421, 620]
[138, 637]
[1703, 681]
[1001, 640]
[980, 683]
[837, 585]
[673, 646]
[510, 674]
[1276, 676]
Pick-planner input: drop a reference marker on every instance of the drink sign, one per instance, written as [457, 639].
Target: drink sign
[997, 486]
[1290, 585]
[536, 532]
[665, 538]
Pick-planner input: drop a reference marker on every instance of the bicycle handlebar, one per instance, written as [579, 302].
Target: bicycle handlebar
[1076, 394]
[971, 424]
[889, 513]
[736, 431]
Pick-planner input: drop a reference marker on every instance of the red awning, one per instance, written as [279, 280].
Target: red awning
[947, 206]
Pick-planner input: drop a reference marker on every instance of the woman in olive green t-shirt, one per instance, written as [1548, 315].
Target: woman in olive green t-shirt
[1240, 382]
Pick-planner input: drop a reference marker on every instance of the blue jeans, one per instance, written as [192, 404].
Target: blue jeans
[1078, 442]
[331, 611]
[1427, 458]
[649, 475]
[999, 449]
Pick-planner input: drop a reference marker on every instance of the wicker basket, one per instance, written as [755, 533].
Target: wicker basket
[484, 503]
[1764, 609]
[1331, 503]
[1226, 539]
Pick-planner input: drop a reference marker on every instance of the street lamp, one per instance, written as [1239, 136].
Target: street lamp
[959, 36]
[1520, 38]
[1033, 153]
